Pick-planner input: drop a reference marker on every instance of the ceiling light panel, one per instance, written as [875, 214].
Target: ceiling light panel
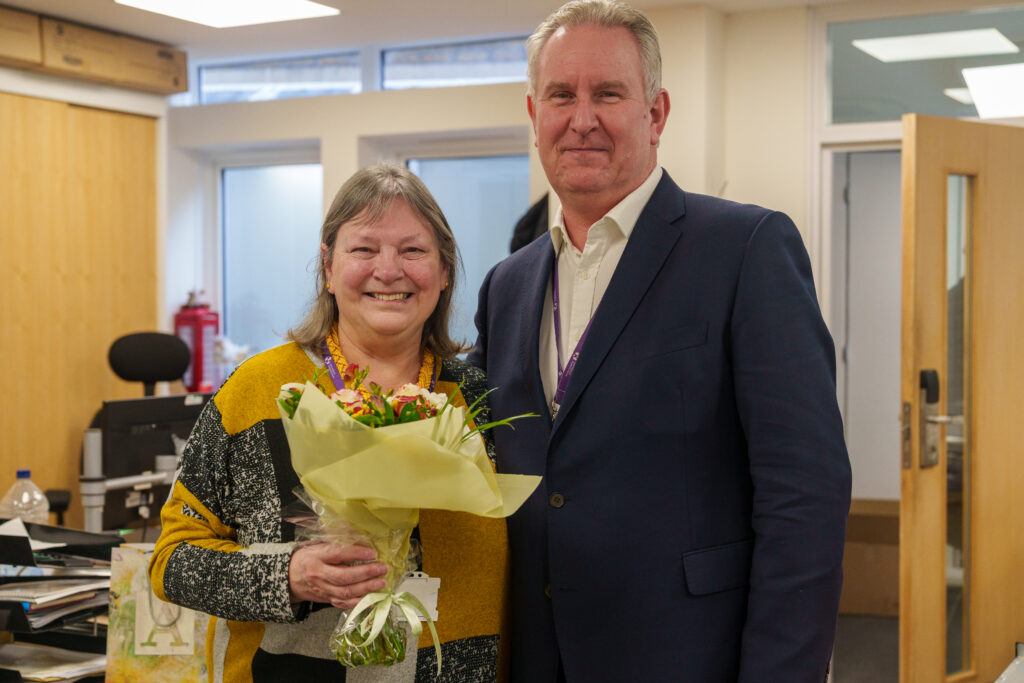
[961, 95]
[970, 43]
[228, 13]
[997, 91]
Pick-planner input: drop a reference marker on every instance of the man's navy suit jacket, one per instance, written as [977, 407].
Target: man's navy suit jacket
[691, 519]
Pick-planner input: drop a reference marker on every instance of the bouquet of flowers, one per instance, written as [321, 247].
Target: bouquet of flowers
[369, 461]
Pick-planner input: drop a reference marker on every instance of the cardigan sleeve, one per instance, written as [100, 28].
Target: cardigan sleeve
[199, 561]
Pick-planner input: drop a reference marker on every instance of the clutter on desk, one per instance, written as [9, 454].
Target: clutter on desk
[67, 587]
[45, 663]
[30, 544]
[51, 592]
[29, 606]
[54, 583]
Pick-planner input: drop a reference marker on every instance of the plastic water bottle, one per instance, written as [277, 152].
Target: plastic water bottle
[25, 500]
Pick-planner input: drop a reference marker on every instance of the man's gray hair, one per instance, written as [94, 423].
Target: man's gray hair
[607, 14]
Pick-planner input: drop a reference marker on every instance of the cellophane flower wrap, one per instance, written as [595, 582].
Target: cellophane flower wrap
[368, 462]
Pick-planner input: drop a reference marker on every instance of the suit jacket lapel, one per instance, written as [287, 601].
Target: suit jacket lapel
[536, 282]
[650, 243]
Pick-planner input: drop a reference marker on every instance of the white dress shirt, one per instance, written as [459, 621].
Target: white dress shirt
[583, 276]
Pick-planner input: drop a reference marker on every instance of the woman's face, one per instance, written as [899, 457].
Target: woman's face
[386, 276]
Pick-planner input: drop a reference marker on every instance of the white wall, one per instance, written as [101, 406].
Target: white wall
[738, 87]
[84, 93]
[766, 127]
[693, 50]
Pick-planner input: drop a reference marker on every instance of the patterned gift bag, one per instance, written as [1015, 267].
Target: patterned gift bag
[149, 640]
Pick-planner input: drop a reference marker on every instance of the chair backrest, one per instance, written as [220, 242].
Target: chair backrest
[149, 357]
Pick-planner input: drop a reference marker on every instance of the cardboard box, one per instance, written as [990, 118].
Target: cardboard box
[20, 41]
[85, 52]
[871, 562]
[96, 55]
[153, 67]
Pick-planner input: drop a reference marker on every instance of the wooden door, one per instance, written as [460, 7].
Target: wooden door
[962, 516]
[78, 256]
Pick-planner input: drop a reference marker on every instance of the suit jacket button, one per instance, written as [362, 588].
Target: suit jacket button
[556, 500]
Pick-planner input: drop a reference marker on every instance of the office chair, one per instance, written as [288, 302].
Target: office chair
[59, 500]
[149, 357]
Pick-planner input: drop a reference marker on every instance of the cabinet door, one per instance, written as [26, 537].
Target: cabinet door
[79, 261]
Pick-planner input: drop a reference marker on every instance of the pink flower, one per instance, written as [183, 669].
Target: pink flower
[350, 372]
[400, 401]
[376, 401]
[348, 398]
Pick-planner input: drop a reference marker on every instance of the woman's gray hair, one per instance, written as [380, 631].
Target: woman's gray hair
[607, 14]
[367, 195]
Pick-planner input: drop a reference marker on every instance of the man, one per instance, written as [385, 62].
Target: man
[691, 521]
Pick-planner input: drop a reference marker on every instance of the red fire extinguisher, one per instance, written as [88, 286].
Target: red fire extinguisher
[198, 326]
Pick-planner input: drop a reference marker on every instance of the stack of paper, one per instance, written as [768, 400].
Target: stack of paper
[47, 600]
[42, 663]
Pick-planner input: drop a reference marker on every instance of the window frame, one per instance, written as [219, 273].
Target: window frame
[258, 59]
[381, 51]
[371, 59]
[213, 233]
[826, 139]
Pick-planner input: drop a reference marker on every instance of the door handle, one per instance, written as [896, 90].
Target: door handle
[945, 419]
[930, 419]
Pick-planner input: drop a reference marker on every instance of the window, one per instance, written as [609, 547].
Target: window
[355, 70]
[482, 198]
[865, 87]
[496, 61]
[280, 78]
[271, 240]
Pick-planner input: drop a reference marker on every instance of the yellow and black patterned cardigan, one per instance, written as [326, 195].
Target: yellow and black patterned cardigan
[224, 548]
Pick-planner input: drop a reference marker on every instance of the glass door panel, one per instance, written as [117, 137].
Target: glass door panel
[958, 229]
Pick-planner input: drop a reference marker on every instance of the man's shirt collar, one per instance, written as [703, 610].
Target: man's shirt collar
[623, 215]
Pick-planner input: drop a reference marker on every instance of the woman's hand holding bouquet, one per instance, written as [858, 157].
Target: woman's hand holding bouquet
[368, 462]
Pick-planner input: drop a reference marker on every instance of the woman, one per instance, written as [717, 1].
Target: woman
[387, 271]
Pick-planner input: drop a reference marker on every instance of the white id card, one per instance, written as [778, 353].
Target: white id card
[424, 588]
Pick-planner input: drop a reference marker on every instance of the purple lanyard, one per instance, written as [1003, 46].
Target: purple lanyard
[564, 374]
[339, 383]
[332, 367]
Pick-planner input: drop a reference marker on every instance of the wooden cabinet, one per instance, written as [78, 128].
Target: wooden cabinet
[67, 49]
[78, 254]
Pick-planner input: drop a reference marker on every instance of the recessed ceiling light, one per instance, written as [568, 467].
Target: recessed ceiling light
[997, 91]
[961, 95]
[982, 41]
[227, 13]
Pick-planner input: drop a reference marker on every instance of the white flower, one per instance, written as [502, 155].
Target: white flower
[437, 400]
[408, 389]
[286, 389]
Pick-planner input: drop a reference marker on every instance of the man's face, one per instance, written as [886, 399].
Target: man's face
[596, 132]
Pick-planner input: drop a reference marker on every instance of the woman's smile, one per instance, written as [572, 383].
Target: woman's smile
[386, 276]
[381, 296]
